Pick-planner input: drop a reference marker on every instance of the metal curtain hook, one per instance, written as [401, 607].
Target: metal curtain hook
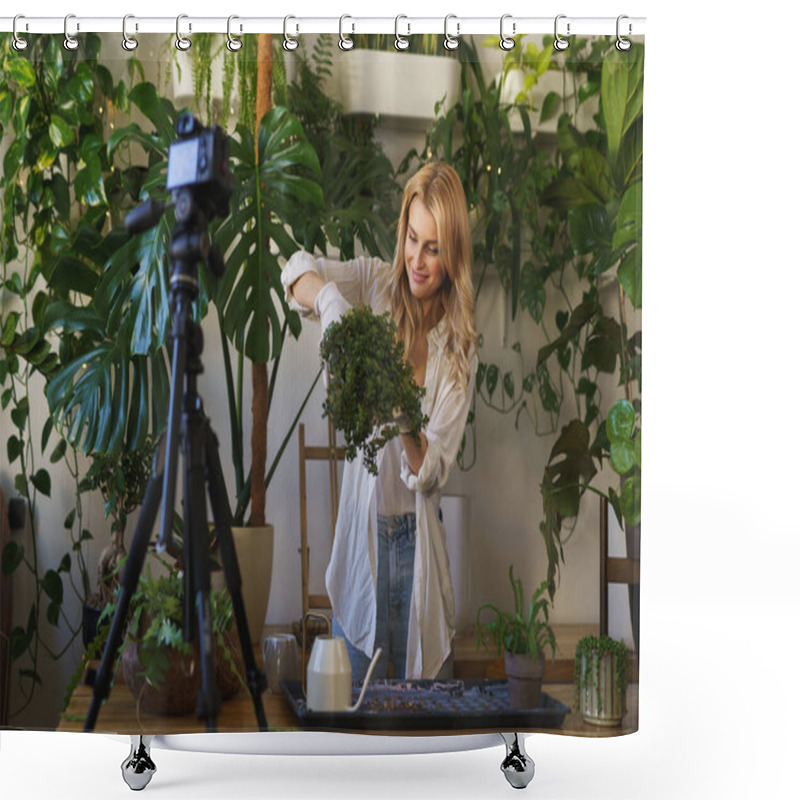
[560, 43]
[345, 42]
[234, 43]
[400, 42]
[506, 42]
[290, 44]
[18, 42]
[451, 42]
[70, 42]
[128, 42]
[623, 45]
[182, 42]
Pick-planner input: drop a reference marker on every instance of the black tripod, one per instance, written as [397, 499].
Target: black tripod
[198, 444]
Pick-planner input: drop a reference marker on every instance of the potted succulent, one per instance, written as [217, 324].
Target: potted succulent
[522, 635]
[602, 672]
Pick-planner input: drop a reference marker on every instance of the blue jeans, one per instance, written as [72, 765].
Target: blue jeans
[396, 545]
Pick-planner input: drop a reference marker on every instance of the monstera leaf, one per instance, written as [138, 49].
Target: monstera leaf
[274, 191]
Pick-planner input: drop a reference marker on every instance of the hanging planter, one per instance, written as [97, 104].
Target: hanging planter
[407, 85]
[602, 672]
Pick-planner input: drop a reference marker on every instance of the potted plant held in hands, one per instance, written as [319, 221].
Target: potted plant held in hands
[522, 634]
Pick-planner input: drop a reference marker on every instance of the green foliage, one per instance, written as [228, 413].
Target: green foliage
[526, 629]
[370, 381]
[589, 653]
[155, 621]
[362, 196]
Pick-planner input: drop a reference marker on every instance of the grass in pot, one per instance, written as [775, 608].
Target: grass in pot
[370, 383]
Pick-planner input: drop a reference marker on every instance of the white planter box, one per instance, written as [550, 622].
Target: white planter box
[397, 84]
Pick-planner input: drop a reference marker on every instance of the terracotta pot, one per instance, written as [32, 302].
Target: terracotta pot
[524, 679]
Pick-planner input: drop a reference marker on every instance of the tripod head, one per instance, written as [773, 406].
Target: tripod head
[201, 182]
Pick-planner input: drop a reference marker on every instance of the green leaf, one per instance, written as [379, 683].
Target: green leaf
[53, 586]
[621, 91]
[14, 448]
[492, 376]
[629, 274]
[550, 106]
[620, 421]
[9, 329]
[12, 557]
[89, 187]
[623, 456]
[629, 217]
[61, 134]
[631, 500]
[58, 451]
[21, 71]
[589, 228]
[508, 385]
[6, 107]
[41, 480]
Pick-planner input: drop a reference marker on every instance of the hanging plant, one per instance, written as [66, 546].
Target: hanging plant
[589, 652]
[370, 383]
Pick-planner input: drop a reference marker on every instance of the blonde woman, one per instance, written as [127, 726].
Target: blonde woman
[389, 577]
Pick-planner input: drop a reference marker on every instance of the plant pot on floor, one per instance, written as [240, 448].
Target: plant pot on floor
[254, 552]
[177, 693]
[524, 675]
[602, 669]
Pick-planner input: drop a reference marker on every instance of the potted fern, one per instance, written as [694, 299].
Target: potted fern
[522, 635]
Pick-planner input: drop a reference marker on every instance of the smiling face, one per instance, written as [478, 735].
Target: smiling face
[424, 266]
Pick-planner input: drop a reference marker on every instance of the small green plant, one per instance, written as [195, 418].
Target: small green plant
[370, 383]
[524, 630]
[155, 622]
[590, 651]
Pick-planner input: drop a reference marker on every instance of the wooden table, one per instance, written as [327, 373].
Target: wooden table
[119, 715]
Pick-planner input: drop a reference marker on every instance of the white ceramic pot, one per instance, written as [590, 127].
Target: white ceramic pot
[254, 552]
[397, 84]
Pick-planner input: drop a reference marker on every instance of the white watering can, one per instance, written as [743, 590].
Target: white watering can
[329, 676]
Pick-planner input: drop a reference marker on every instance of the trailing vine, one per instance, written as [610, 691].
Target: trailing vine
[589, 652]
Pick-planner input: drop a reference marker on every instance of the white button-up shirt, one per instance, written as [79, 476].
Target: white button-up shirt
[352, 573]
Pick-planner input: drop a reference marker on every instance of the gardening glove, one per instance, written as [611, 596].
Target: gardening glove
[330, 307]
[403, 421]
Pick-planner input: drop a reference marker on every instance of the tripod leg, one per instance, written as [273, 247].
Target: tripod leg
[197, 575]
[130, 580]
[256, 680]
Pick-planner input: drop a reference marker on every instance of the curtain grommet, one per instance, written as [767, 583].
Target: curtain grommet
[17, 42]
[129, 43]
[401, 42]
[234, 43]
[183, 43]
[450, 41]
[560, 43]
[290, 43]
[345, 42]
[623, 44]
[70, 42]
[507, 42]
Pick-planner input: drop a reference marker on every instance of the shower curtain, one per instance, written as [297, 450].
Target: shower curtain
[314, 146]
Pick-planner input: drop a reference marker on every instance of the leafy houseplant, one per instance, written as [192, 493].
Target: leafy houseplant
[522, 635]
[370, 382]
[158, 665]
[602, 672]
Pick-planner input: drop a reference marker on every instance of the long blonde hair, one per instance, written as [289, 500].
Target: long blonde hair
[439, 188]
